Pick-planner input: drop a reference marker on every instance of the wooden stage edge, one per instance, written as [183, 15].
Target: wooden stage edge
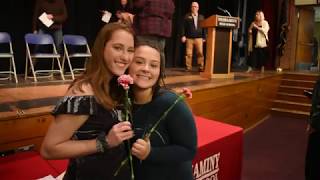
[243, 101]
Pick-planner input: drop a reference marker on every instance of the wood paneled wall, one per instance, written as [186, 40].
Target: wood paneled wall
[243, 104]
[20, 132]
[305, 35]
[287, 61]
[298, 48]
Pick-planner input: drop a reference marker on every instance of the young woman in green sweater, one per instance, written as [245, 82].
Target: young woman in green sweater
[168, 152]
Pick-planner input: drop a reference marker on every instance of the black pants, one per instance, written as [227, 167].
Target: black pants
[258, 58]
[312, 168]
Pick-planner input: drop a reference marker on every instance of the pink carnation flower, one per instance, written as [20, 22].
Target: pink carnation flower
[124, 80]
[187, 92]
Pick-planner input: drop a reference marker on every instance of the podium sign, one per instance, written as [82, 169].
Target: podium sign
[219, 45]
[227, 22]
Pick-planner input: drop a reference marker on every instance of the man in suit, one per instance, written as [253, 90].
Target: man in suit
[194, 36]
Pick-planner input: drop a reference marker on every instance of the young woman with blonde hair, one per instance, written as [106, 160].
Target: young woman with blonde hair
[86, 129]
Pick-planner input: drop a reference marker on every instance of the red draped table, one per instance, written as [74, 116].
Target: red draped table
[29, 165]
[219, 155]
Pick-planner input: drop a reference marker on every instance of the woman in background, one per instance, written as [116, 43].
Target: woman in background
[123, 12]
[257, 45]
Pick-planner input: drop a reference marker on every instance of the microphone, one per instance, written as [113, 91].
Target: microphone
[224, 10]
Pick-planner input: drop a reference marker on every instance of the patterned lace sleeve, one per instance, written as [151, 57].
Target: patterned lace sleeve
[78, 105]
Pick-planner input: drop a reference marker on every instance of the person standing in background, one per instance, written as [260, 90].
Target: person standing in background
[57, 12]
[257, 45]
[123, 11]
[312, 161]
[194, 36]
[153, 22]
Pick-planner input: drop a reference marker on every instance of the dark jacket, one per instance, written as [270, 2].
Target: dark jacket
[189, 29]
[55, 7]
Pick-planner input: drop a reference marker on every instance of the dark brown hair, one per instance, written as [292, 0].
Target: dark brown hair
[160, 81]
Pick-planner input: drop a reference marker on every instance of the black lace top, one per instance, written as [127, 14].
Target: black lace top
[98, 165]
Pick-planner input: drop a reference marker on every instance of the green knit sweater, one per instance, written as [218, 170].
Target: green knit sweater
[173, 144]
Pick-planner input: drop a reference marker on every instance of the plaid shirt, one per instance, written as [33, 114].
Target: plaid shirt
[153, 17]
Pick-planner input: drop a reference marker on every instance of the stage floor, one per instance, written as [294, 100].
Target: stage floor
[28, 97]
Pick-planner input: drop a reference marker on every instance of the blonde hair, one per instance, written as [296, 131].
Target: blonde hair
[261, 14]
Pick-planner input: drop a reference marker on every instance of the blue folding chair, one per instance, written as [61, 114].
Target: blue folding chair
[6, 39]
[71, 45]
[39, 40]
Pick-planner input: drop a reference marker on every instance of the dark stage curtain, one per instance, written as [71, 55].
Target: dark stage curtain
[84, 19]
[270, 9]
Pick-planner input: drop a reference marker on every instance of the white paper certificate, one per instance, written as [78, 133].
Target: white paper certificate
[106, 16]
[44, 19]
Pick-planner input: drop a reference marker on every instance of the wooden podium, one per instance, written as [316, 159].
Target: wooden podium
[219, 45]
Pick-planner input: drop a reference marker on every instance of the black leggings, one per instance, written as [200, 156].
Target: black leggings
[258, 57]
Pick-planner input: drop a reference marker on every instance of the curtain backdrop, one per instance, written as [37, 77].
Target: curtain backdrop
[84, 19]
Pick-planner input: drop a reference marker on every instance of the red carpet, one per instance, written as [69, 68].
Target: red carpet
[275, 149]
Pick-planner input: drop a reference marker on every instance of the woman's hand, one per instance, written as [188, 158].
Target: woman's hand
[141, 148]
[309, 129]
[255, 26]
[119, 133]
[50, 16]
[183, 39]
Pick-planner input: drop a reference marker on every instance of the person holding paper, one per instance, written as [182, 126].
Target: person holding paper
[123, 11]
[48, 18]
[120, 13]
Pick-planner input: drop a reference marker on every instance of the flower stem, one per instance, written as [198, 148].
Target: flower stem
[147, 135]
[126, 111]
[123, 162]
[130, 160]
